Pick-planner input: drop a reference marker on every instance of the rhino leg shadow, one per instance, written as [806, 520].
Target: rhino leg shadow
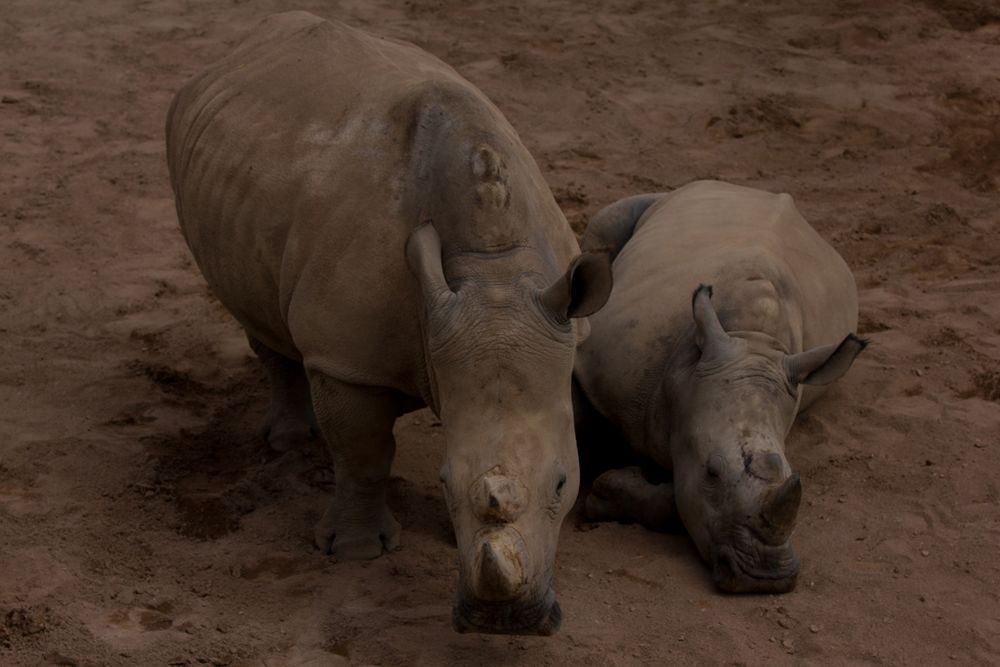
[626, 496]
[290, 421]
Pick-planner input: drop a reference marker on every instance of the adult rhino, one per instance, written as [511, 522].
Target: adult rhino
[708, 386]
[377, 227]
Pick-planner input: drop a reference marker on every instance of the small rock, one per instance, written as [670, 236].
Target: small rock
[784, 623]
[7, 99]
[925, 553]
[814, 629]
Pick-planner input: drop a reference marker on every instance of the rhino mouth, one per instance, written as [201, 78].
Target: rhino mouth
[760, 569]
[532, 617]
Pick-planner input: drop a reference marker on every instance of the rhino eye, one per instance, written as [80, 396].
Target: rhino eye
[713, 468]
[561, 483]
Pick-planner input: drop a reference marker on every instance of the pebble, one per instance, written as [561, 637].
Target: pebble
[814, 629]
[925, 553]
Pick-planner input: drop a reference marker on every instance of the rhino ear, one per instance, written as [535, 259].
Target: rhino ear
[710, 337]
[423, 255]
[583, 289]
[824, 364]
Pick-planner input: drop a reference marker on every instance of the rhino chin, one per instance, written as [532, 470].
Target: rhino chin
[510, 618]
[771, 570]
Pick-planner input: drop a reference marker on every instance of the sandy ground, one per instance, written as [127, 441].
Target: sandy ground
[142, 521]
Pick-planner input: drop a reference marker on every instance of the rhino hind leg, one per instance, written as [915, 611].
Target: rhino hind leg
[625, 495]
[357, 423]
[290, 421]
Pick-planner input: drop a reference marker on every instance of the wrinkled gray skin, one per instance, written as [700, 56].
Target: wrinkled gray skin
[708, 385]
[378, 228]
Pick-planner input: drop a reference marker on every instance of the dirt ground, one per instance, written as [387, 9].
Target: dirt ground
[142, 520]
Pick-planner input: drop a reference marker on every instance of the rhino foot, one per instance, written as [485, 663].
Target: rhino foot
[290, 421]
[625, 495]
[346, 540]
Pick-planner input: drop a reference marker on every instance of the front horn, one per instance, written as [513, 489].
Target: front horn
[500, 566]
[782, 508]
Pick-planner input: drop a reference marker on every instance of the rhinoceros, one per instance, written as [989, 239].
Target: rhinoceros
[379, 230]
[708, 386]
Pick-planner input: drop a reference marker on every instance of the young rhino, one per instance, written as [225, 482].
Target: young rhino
[307, 167]
[709, 386]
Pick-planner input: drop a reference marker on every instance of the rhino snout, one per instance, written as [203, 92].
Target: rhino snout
[775, 571]
[530, 615]
[499, 594]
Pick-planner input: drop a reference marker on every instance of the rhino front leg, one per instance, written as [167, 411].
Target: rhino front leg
[357, 423]
[290, 420]
[625, 495]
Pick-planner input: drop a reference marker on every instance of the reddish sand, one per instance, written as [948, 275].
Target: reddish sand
[142, 521]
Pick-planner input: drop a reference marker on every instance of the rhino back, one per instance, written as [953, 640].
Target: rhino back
[770, 270]
[292, 161]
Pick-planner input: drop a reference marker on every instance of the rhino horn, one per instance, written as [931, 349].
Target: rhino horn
[711, 338]
[498, 498]
[781, 509]
[499, 573]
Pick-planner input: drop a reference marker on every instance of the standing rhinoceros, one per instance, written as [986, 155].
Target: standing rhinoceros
[387, 242]
[709, 386]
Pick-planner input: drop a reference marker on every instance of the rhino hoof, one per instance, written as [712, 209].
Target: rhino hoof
[358, 543]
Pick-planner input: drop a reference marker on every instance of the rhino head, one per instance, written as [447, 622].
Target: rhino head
[735, 491]
[500, 356]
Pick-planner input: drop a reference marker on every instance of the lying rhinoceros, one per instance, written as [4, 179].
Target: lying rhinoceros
[387, 242]
[708, 387]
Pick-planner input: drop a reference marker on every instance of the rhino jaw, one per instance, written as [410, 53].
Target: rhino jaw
[510, 617]
[772, 570]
